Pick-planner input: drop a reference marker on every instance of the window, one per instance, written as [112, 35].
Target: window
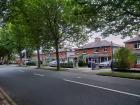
[138, 60]
[84, 50]
[137, 45]
[105, 49]
[96, 50]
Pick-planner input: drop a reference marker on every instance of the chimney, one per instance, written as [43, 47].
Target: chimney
[97, 39]
[137, 34]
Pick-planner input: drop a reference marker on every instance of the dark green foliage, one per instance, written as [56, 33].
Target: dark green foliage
[66, 65]
[31, 63]
[82, 63]
[112, 16]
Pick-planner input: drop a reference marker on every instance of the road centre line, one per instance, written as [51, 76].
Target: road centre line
[103, 88]
[78, 77]
[39, 74]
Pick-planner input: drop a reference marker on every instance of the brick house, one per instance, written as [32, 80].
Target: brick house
[65, 54]
[134, 45]
[99, 51]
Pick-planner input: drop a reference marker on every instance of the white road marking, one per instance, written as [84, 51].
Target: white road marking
[39, 74]
[103, 88]
[78, 77]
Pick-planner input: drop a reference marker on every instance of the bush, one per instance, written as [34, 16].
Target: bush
[81, 63]
[124, 59]
[31, 64]
[67, 65]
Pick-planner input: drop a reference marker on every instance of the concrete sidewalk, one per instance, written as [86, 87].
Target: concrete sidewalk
[88, 70]
[5, 99]
[84, 70]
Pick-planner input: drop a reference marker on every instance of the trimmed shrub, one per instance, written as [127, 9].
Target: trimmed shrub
[81, 63]
[124, 59]
[31, 63]
[67, 65]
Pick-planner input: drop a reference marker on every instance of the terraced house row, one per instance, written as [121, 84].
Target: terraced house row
[99, 51]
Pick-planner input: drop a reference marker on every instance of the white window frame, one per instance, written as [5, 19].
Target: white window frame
[138, 60]
[137, 45]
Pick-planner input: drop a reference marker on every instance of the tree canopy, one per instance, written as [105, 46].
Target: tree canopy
[116, 17]
[51, 23]
[47, 23]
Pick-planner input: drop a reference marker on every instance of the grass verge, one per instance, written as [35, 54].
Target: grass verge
[121, 74]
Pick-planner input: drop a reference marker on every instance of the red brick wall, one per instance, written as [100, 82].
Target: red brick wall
[109, 51]
[129, 45]
[79, 51]
[137, 66]
[88, 51]
[61, 54]
[91, 51]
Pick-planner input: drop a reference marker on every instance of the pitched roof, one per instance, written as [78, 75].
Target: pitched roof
[137, 38]
[102, 43]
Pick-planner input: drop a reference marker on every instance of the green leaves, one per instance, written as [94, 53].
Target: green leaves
[47, 23]
[124, 58]
[113, 16]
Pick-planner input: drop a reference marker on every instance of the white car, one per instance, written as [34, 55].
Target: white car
[54, 63]
[105, 64]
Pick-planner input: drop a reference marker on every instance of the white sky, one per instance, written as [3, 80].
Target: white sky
[116, 39]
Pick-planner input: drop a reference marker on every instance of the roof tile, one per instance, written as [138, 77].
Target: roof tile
[102, 43]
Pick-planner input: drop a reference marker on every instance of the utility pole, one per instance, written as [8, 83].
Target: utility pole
[112, 56]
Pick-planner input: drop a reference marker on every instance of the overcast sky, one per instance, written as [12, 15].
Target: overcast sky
[115, 39]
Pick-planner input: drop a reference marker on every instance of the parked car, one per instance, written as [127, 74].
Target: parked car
[26, 61]
[31, 63]
[105, 64]
[91, 62]
[54, 63]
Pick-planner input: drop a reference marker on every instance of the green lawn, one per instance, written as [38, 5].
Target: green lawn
[121, 74]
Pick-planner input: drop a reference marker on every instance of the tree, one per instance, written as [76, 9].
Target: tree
[60, 25]
[48, 22]
[112, 16]
[6, 45]
[124, 59]
[25, 16]
[13, 39]
[19, 38]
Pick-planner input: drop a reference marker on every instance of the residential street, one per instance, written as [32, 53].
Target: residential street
[30, 86]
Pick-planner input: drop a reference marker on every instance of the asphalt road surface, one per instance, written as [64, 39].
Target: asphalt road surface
[30, 86]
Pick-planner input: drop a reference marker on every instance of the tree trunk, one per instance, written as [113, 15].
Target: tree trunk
[57, 55]
[20, 57]
[38, 58]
